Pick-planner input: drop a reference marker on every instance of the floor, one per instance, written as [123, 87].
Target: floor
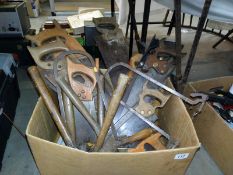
[208, 63]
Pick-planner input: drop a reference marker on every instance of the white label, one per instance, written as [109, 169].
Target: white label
[181, 156]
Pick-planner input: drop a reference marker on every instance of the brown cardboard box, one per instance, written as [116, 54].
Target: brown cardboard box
[54, 159]
[33, 11]
[212, 130]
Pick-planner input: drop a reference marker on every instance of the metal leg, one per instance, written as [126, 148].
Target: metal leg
[146, 15]
[127, 26]
[177, 12]
[171, 24]
[52, 7]
[131, 12]
[165, 17]
[223, 38]
[133, 29]
[191, 20]
[113, 8]
[183, 18]
[206, 23]
[200, 26]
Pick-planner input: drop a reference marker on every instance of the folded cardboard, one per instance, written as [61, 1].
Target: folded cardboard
[213, 132]
[54, 159]
[33, 7]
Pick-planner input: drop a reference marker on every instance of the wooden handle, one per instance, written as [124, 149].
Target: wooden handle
[52, 108]
[143, 134]
[152, 140]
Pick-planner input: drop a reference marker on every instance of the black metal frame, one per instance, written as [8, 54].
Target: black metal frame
[112, 8]
[177, 4]
[216, 32]
[132, 23]
[197, 37]
[225, 37]
[176, 20]
[142, 44]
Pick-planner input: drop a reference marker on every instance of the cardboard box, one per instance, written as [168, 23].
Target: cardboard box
[33, 7]
[54, 159]
[213, 132]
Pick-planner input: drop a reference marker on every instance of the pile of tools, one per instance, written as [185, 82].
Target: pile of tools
[113, 110]
[221, 101]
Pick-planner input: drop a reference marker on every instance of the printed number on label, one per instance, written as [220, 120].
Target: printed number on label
[181, 156]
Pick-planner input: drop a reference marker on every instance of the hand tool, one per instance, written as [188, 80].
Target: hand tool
[223, 100]
[137, 136]
[60, 94]
[160, 60]
[101, 91]
[60, 63]
[172, 91]
[38, 52]
[133, 62]
[86, 74]
[221, 92]
[152, 125]
[153, 141]
[100, 105]
[56, 33]
[215, 99]
[223, 113]
[153, 44]
[110, 41]
[203, 98]
[112, 109]
[60, 123]
[160, 56]
[146, 108]
[129, 123]
[69, 116]
[82, 79]
[107, 26]
[66, 107]
[77, 103]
